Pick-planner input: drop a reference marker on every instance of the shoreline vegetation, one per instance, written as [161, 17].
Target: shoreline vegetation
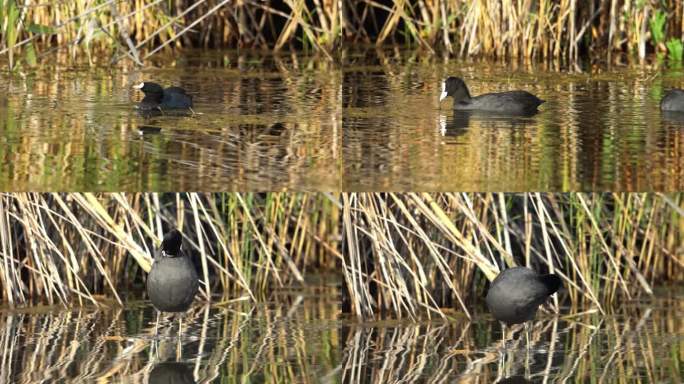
[568, 30]
[71, 248]
[399, 255]
[422, 255]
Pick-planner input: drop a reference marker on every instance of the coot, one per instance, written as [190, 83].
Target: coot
[515, 294]
[172, 282]
[159, 98]
[513, 102]
[673, 101]
[171, 372]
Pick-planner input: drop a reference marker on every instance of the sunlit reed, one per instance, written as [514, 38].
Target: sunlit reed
[415, 255]
[72, 248]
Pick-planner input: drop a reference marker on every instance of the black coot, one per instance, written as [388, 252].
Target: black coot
[172, 282]
[159, 98]
[512, 102]
[673, 101]
[515, 294]
[171, 373]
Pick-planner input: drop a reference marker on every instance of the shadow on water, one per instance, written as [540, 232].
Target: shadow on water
[601, 129]
[78, 129]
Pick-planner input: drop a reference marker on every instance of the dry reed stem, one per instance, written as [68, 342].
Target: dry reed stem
[415, 250]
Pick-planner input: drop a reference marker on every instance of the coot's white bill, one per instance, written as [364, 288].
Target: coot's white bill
[141, 85]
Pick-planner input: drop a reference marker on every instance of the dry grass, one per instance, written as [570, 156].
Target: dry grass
[138, 29]
[565, 29]
[61, 248]
[412, 255]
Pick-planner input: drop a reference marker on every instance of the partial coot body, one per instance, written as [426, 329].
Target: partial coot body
[171, 373]
[512, 102]
[172, 282]
[515, 294]
[673, 101]
[159, 98]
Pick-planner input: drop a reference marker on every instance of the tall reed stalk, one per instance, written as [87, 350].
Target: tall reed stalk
[414, 255]
[61, 248]
[564, 29]
[138, 29]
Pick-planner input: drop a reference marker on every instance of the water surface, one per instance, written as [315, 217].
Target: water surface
[263, 123]
[600, 128]
[299, 335]
[291, 338]
[643, 342]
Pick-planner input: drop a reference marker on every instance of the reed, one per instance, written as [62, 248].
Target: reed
[73, 248]
[421, 255]
[138, 29]
[565, 29]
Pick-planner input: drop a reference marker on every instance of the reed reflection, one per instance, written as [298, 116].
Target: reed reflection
[564, 348]
[293, 339]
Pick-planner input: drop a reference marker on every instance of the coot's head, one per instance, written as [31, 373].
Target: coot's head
[147, 87]
[455, 87]
[170, 246]
[552, 282]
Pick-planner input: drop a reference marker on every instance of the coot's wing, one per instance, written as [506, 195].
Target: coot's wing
[513, 101]
[176, 100]
[531, 294]
[176, 90]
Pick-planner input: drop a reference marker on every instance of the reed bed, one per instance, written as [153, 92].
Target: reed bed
[75, 248]
[543, 29]
[138, 29]
[414, 255]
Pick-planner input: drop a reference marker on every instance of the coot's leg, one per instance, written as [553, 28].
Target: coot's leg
[527, 349]
[156, 336]
[156, 326]
[180, 332]
[503, 352]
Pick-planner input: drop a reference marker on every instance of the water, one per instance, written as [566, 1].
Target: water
[642, 343]
[370, 121]
[600, 128]
[263, 122]
[292, 338]
[300, 336]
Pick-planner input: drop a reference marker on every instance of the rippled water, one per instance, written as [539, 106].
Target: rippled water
[641, 343]
[600, 128]
[294, 338]
[263, 122]
[301, 336]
